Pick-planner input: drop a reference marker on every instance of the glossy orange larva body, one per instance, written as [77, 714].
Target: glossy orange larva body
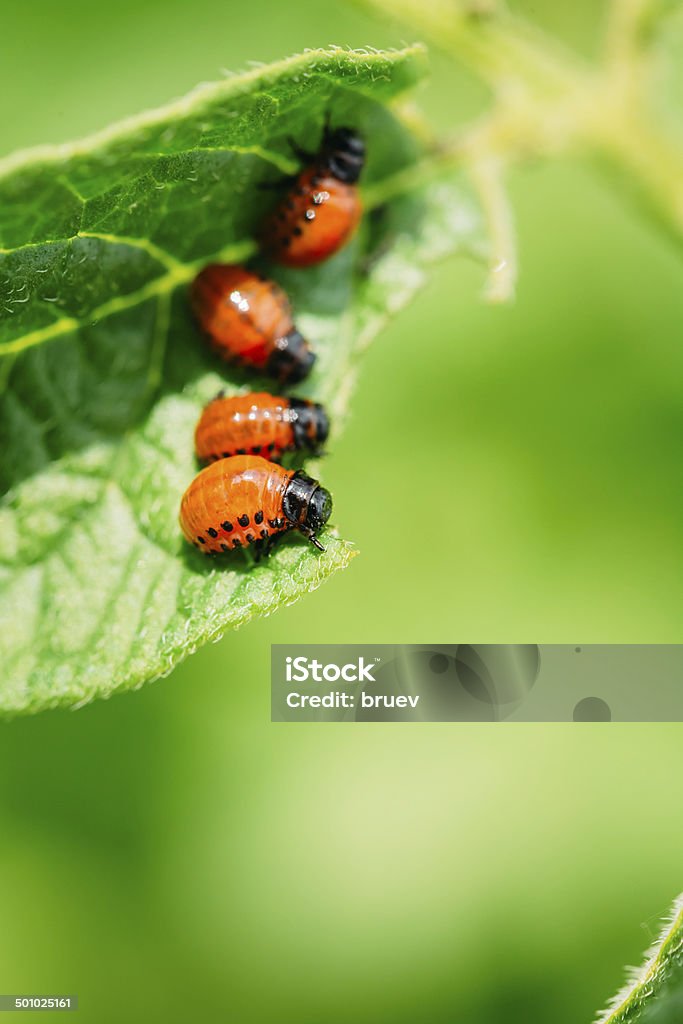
[249, 321]
[322, 207]
[245, 500]
[259, 424]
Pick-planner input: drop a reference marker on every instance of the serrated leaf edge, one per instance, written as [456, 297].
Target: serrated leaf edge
[203, 93]
[640, 977]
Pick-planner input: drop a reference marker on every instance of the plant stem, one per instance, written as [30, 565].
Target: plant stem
[487, 176]
[549, 102]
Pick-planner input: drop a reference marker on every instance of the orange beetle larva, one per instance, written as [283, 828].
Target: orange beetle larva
[249, 321]
[322, 208]
[246, 500]
[259, 424]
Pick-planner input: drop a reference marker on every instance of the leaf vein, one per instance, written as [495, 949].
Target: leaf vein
[164, 284]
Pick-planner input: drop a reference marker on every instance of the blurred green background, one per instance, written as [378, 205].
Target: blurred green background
[172, 856]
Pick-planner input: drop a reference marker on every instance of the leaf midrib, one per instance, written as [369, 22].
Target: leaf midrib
[166, 283]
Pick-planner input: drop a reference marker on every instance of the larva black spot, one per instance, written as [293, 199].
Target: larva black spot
[264, 533]
[202, 540]
[243, 520]
[211, 532]
[227, 526]
[250, 538]
[236, 542]
[258, 518]
[241, 451]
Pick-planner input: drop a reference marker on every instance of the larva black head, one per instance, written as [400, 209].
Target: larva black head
[307, 506]
[291, 359]
[343, 154]
[310, 424]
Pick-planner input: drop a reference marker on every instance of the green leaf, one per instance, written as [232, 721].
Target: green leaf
[654, 995]
[103, 372]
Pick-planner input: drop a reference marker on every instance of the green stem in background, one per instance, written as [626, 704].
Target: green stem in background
[488, 177]
[548, 102]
